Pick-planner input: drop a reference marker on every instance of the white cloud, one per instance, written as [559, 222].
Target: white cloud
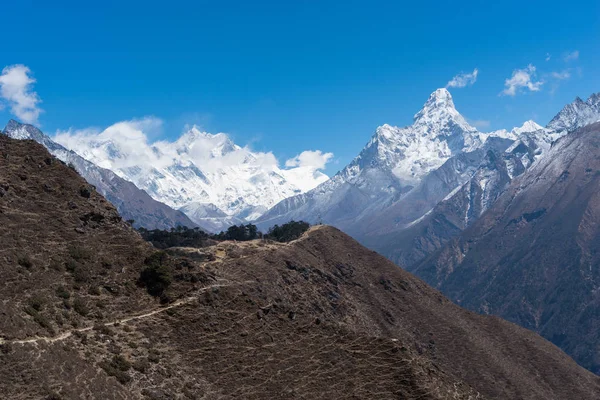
[522, 79]
[480, 123]
[309, 158]
[571, 56]
[462, 80]
[126, 145]
[548, 56]
[16, 90]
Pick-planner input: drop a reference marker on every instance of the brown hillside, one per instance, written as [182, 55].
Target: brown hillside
[66, 257]
[319, 318]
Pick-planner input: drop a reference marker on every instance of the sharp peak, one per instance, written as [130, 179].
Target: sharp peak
[12, 124]
[594, 98]
[528, 126]
[195, 132]
[531, 122]
[440, 98]
[444, 92]
[441, 94]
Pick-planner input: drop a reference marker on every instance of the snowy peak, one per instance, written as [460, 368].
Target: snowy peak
[439, 99]
[439, 120]
[218, 144]
[409, 153]
[11, 126]
[594, 100]
[439, 109]
[528, 126]
[16, 130]
[577, 114]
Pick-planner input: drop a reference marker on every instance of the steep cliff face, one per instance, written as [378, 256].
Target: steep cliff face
[533, 256]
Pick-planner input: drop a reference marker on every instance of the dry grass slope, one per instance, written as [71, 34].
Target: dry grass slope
[319, 318]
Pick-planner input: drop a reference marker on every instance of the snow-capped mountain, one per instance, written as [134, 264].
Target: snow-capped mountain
[213, 180]
[411, 189]
[131, 202]
[577, 114]
[438, 132]
[392, 163]
[431, 214]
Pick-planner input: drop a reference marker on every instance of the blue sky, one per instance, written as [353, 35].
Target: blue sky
[288, 76]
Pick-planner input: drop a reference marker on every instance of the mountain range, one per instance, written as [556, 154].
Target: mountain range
[433, 197]
[403, 173]
[214, 181]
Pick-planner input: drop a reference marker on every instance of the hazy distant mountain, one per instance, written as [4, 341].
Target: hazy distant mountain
[534, 256]
[198, 170]
[210, 216]
[131, 202]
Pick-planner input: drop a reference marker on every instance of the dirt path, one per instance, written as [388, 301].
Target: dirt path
[69, 333]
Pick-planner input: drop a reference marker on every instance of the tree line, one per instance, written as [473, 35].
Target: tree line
[183, 236]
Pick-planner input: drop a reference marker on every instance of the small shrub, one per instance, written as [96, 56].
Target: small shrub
[6, 348]
[30, 311]
[118, 368]
[80, 307]
[37, 302]
[67, 304]
[85, 192]
[153, 355]
[94, 291]
[62, 292]
[43, 322]
[121, 363]
[55, 265]
[156, 277]
[80, 253]
[71, 265]
[81, 274]
[25, 261]
[141, 366]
